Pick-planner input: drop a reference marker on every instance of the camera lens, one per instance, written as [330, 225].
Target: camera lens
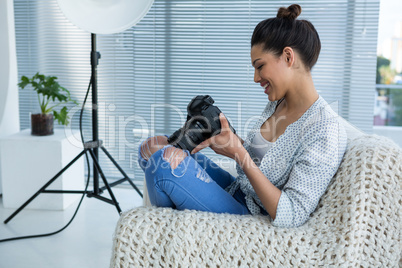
[195, 133]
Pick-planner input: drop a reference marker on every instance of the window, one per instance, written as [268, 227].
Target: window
[388, 96]
[388, 107]
[149, 73]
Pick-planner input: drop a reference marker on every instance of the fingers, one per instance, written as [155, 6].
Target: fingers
[224, 123]
[201, 146]
[208, 142]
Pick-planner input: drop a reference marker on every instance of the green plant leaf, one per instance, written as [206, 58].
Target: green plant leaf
[35, 85]
[62, 117]
[41, 77]
[24, 82]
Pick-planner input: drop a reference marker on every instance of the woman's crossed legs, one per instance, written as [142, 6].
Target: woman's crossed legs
[176, 180]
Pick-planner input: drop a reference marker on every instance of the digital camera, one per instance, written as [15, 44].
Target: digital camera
[202, 123]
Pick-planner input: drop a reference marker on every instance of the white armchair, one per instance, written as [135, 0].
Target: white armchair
[357, 224]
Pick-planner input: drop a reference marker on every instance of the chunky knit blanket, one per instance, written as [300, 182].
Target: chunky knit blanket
[357, 224]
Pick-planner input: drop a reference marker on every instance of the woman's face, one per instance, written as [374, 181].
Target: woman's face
[271, 72]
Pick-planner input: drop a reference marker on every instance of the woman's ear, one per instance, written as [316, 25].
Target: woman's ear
[289, 56]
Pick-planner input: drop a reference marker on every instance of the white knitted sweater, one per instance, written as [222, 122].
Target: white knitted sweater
[357, 224]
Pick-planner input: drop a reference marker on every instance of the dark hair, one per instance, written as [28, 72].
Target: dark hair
[285, 31]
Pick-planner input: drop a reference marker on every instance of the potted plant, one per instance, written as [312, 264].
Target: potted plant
[50, 96]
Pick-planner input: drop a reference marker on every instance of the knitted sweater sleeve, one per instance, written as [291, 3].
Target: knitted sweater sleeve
[325, 144]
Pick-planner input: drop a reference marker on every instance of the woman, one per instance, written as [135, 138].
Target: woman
[287, 160]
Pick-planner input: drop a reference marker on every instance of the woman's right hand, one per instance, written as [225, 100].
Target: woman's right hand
[226, 143]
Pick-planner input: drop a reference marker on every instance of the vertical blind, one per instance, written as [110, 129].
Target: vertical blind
[180, 49]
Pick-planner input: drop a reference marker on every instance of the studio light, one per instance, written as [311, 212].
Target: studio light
[105, 16]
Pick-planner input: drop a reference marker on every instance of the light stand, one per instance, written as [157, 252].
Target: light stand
[93, 148]
[95, 56]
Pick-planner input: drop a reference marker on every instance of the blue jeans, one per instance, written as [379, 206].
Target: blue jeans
[196, 183]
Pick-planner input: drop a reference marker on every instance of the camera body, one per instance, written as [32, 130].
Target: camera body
[202, 123]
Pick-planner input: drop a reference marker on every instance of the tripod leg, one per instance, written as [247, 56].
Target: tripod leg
[96, 164]
[44, 186]
[121, 171]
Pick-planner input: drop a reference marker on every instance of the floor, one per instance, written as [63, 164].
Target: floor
[87, 242]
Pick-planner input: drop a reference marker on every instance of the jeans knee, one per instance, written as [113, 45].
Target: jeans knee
[174, 156]
[152, 145]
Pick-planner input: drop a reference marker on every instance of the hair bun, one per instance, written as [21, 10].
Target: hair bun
[290, 13]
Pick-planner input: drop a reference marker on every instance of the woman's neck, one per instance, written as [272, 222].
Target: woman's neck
[301, 96]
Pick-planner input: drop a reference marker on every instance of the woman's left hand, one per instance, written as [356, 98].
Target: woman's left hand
[225, 143]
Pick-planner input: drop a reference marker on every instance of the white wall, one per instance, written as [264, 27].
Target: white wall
[9, 113]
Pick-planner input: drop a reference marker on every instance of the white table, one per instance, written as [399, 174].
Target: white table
[28, 162]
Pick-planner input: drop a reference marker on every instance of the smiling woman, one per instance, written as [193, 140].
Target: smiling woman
[284, 171]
